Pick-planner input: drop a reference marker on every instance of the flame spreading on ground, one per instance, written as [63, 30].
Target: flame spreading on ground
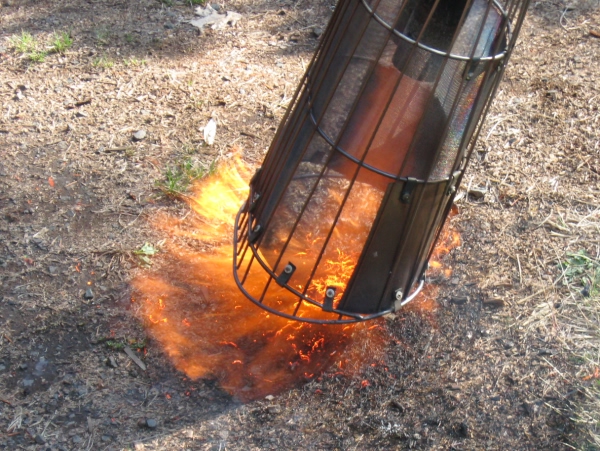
[192, 306]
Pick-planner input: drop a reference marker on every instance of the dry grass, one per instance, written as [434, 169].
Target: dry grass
[566, 308]
[578, 320]
[540, 163]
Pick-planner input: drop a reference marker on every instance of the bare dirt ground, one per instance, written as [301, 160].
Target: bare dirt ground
[507, 358]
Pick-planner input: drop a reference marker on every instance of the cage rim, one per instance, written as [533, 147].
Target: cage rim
[353, 317]
[454, 56]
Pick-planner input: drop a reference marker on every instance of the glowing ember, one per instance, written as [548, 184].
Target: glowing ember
[192, 306]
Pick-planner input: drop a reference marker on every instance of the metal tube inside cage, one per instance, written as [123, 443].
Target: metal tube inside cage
[343, 215]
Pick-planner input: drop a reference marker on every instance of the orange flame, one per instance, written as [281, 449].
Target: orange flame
[193, 308]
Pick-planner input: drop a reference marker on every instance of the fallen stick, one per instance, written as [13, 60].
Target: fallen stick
[134, 357]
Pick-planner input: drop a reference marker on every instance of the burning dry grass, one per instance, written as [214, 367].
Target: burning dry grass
[194, 309]
[209, 329]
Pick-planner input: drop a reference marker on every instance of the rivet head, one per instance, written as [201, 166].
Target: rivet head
[330, 293]
[405, 197]
[256, 228]
[287, 269]
[399, 294]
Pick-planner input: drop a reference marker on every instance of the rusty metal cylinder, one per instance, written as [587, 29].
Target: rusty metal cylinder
[343, 215]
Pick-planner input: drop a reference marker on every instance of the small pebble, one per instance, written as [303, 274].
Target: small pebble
[585, 292]
[463, 430]
[508, 344]
[111, 361]
[317, 32]
[89, 294]
[151, 423]
[274, 409]
[477, 193]
[139, 135]
[40, 366]
[52, 269]
[269, 397]
[39, 439]
[22, 366]
[77, 439]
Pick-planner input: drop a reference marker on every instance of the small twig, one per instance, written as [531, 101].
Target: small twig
[90, 443]
[153, 399]
[79, 103]
[562, 16]
[134, 357]
[84, 102]
[557, 226]
[557, 371]
[499, 376]
[11, 434]
[118, 149]
[251, 135]
[16, 422]
[154, 437]
[520, 272]
[47, 424]
[522, 301]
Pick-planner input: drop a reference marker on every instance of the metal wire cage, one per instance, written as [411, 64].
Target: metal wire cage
[342, 217]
